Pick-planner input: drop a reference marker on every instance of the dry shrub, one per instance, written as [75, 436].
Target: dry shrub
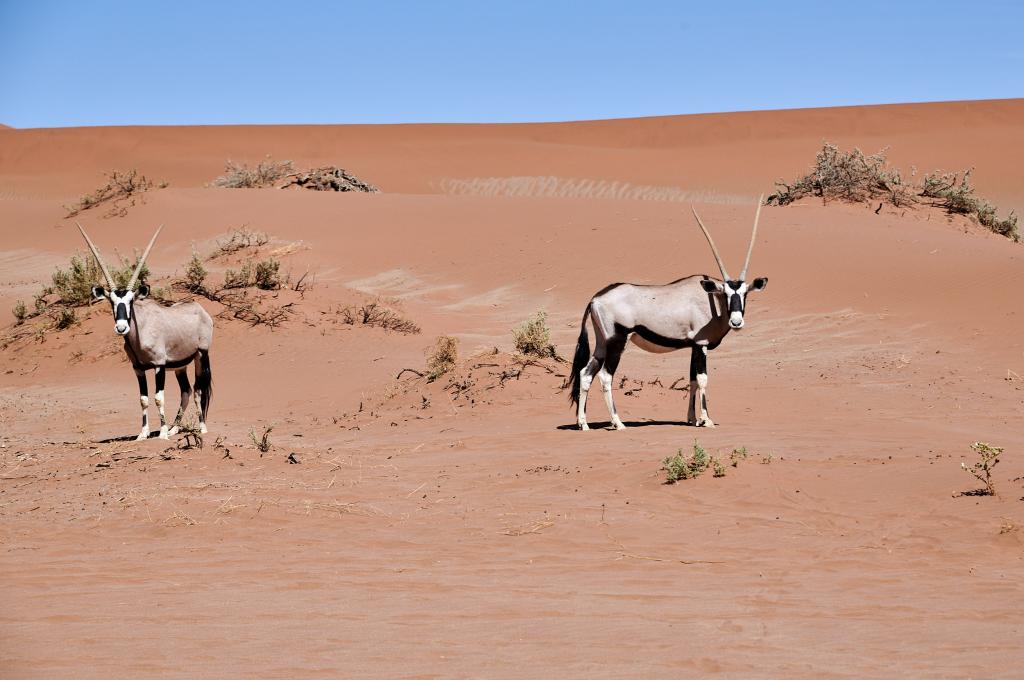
[329, 178]
[253, 310]
[681, 466]
[379, 316]
[953, 193]
[849, 176]
[265, 275]
[121, 191]
[262, 443]
[443, 357]
[855, 177]
[265, 174]
[240, 239]
[533, 338]
[20, 311]
[195, 275]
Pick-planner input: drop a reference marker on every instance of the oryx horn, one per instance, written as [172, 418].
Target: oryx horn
[99, 260]
[142, 260]
[711, 242]
[753, 236]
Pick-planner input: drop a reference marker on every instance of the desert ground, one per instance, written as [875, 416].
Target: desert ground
[402, 528]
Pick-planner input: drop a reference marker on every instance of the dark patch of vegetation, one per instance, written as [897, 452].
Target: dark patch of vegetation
[121, 191]
[328, 178]
[682, 466]
[859, 178]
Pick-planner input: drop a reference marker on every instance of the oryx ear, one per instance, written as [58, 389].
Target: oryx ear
[759, 283]
[142, 292]
[710, 286]
[98, 293]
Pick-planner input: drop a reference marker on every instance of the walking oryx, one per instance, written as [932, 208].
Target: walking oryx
[161, 338]
[690, 312]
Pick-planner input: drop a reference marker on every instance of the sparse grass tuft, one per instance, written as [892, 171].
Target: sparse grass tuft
[737, 455]
[681, 466]
[262, 443]
[443, 357]
[64, 317]
[265, 174]
[533, 338]
[375, 314]
[20, 311]
[982, 470]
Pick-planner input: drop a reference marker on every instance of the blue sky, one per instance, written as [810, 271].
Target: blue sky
[149, 63]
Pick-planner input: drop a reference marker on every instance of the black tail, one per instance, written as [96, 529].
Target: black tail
[204, 382]
[580, 358]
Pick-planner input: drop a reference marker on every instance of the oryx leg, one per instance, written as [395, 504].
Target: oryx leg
[144, 401]
[699, 388]
[586, 378]
[161, 375]
[614, 348]
[186, 393]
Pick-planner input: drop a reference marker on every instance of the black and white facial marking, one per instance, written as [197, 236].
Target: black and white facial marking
[735, 296]
[121, 303]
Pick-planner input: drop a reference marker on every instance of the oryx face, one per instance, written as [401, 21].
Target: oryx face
[121, 302]
[735, 293]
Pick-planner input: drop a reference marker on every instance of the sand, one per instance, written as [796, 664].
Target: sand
[463, 528]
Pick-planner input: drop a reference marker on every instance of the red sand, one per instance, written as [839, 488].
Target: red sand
[450, 534]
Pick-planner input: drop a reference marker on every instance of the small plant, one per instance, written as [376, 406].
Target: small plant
[195, 274]
[443, 357]
[533, 338]
[262, 443]
[74, 285]
[265, 174]
[240, 239]
[375, 314]
[266, 275]
[192, 437]
[121, 190]
[681, 466]
[329, 178]
[767, 459]
[238, 279]
[20, 311]
[737, 455]
[719, 469]
[64, 318]
[982, 470]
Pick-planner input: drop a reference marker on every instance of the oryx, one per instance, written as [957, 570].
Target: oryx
[696, 312]
[161, 338]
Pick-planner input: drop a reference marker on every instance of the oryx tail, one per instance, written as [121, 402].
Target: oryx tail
[580, 358]
[204, 382]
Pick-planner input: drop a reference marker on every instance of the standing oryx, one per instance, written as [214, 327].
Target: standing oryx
[690, 312]
[161, 338]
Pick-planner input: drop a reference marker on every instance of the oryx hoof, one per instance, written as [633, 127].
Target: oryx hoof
[202, 428]
[163, 433]
[618, 425]
[144, 435]
[707, 422]
[173, 431]
[583, 425]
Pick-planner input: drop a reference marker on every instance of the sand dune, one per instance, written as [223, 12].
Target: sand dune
[461, 527]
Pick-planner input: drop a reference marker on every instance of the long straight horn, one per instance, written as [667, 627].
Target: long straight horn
[711, 242]
[753, 236]
[99, 260]
[142, 260]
